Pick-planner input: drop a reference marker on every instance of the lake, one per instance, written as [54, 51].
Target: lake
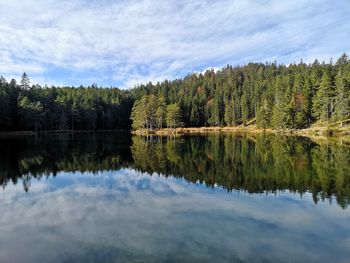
[214, 198]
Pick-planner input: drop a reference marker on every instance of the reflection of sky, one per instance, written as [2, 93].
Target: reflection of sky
[129, 216]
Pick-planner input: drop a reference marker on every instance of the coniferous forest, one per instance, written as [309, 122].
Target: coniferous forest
[268, 95]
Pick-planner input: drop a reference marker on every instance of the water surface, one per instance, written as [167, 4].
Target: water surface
[217, 198]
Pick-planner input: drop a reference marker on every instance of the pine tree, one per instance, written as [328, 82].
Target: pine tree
[138, 114]
[195, 117]
[160, 113]
[217, 110]
[5, 118]
[237, 115]
[25, 82]
[173, 116]
[245, 109]
[342, 102]
[151, 108]
[263, 118]
[323, 101]
[299, 102]
[229, 113]
[282, 112]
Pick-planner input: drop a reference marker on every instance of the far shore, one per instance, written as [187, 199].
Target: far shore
[314, 131]
[50, 132]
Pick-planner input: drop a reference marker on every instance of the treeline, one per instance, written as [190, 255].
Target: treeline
[32, 107]
[270, 95]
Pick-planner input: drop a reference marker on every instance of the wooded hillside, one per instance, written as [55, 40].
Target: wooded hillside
[270, 95]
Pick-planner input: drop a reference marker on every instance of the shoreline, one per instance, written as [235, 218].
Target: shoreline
[56, 132]
[316, 131]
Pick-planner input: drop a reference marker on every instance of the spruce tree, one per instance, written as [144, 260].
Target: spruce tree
[25, 82]
[323, 101]
[342, 101]
[173, 116]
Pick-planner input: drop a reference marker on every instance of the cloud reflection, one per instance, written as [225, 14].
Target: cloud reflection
[128, 216]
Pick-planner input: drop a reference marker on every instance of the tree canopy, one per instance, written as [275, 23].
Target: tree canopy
[270, 95]
[62, 108]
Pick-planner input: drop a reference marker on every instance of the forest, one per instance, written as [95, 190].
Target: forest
[269, 95]
[34, 108]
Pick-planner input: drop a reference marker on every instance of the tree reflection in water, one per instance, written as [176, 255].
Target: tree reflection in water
[252, 163]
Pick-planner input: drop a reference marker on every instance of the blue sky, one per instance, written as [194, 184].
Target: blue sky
[123, 43]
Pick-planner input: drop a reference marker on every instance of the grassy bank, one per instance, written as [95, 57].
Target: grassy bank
[319, 130]
[313, 131]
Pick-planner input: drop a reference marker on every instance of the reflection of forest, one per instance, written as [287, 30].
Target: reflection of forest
[27, 157]
[253, 164]
[262, 163]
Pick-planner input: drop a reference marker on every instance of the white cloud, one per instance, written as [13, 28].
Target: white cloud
[126, 42]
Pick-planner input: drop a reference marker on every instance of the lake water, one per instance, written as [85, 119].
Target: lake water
[216, 198]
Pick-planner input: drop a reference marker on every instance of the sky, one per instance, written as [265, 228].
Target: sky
[125, 43]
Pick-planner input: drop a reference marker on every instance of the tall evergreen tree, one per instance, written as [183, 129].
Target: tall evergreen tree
[323, 101]
[173, 116]
[25, 82]
[342, 101]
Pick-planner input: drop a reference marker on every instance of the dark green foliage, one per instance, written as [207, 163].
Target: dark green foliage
[263, 118]
[342, 86]
[160, 113]
[323, 102]
[256, 164]
[25, 82]
[273, 96]
[173, 116]
[151, 112]
[276, 96]
[24, 107]
[252, 163]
